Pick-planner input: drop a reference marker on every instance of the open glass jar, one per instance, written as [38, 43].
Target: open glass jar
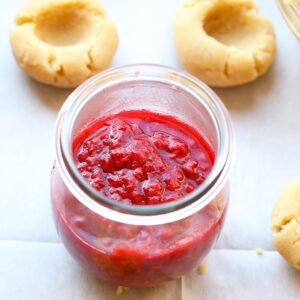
[291, 13]
[141, 245]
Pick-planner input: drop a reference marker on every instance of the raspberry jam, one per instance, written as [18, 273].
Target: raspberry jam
[142, 157]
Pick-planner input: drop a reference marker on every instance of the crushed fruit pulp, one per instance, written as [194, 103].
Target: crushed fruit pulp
[142, 157]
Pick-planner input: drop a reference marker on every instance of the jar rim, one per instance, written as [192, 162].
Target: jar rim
[141, 214]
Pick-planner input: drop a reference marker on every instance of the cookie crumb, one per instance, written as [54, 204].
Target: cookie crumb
[201, 269]
[120, 290]
[259, 251]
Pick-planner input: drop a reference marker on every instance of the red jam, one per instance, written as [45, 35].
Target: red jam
[142, 157]
[138, 157]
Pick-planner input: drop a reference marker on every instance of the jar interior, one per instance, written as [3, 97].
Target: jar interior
[157, 96]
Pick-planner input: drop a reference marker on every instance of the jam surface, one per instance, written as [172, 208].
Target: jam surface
[142, 157]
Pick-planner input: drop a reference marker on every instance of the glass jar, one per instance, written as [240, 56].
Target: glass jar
[140, 245]
[291, 13]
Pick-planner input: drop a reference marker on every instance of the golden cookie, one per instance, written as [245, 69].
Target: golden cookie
[286, 223]
[223, 42]
[63, 42]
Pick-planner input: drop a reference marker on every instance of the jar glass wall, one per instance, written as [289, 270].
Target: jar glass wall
[139, 245]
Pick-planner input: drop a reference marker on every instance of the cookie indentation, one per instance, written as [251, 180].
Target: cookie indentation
[61, 26]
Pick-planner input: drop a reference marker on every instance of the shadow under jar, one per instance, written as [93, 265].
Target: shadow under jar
[141, 245]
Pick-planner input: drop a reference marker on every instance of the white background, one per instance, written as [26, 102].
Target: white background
[266, 116]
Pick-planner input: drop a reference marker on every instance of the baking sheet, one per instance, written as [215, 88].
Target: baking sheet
[45, 271]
